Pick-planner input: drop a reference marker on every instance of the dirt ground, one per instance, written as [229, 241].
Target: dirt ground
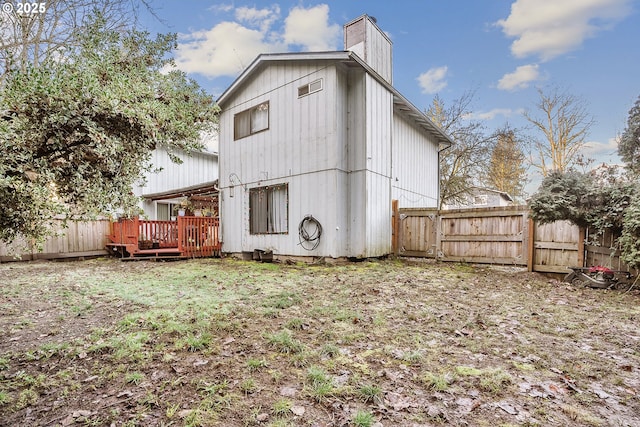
[386, 343]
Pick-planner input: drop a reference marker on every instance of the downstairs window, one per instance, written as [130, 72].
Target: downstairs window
[268, 209]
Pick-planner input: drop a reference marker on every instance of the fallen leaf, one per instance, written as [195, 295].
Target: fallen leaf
[298, 410]
[397, 353]
[184, 413]
[341, 379]
[507, 407]
[397, 401]
[288, 392]
[200, 362]
[68, 421]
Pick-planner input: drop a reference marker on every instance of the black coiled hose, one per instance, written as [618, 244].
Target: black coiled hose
[309, 240]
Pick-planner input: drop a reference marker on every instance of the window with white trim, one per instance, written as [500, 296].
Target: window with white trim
[269, 209]
[253, 120]
[480, 200]
[315, 86]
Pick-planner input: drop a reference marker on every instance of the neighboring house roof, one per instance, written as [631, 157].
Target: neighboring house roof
[503, 194]
[349, 58]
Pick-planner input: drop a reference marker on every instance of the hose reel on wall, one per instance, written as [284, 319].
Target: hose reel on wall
[309, 232]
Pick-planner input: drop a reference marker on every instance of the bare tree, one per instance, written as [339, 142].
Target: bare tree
[564, 123]
[29, 37]
[464, 163]
[507, 171]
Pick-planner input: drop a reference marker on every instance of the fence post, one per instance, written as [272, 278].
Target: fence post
[582, 235]
[531, 243]
[437, 225]
[180, 233]
[395, 227]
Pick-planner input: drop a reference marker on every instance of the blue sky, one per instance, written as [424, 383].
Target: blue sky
[501, 49]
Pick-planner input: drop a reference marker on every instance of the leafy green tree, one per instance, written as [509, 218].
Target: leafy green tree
[562, 196]
[629, 150]
[77, 131]
[630, 239]
[629, 144]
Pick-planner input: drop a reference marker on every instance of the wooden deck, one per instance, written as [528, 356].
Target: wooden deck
[188, 237]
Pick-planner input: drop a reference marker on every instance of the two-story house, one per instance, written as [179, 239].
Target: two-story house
[314, 146]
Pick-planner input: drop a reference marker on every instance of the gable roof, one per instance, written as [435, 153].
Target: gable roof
[400, 103]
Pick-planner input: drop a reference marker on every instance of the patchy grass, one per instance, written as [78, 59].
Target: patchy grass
[232, 343]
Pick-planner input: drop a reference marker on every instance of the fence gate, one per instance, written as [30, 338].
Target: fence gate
[556, 246]
[418, 232]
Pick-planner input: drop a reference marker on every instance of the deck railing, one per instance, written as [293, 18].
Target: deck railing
[192, 236]
[198, 236]
[125, 231]
[158, 234]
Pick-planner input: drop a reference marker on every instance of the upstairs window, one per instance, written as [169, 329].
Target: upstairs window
[253, 120]
[268, 210]
[312, 87]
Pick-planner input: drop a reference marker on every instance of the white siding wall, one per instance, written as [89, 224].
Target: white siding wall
[379, 119]
[302, 148]
[196, 168]
[415, 166]
[370, 130]
[357, 151]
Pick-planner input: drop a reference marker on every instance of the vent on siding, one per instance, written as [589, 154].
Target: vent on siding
[312, 87]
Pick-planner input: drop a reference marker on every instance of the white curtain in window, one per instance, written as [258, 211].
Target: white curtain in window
[278, 221]
[242, 123]
[162, 212]
[258, 205]
[260, 117]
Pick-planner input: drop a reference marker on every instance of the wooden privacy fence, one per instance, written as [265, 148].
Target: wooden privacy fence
[80, 238]
[497, 235]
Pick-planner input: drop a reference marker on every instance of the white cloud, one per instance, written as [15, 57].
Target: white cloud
[602, 149]
[228, 47]
[310, 28]
[492, 114]
[258, 18]
[221, 7]
[433, 80]
[520, 78]
[224, 50]
[549, 28]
